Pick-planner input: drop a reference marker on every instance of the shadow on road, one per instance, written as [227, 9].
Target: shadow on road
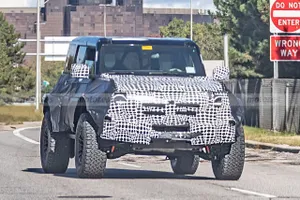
[113, 173]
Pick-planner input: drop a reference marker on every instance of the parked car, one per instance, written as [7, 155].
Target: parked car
[144, 96]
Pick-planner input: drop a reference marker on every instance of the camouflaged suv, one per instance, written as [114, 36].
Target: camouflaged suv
[144, 96]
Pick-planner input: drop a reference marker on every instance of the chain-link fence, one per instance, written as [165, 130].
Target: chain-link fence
[269, 103]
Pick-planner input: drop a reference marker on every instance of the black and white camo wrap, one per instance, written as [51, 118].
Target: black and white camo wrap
[142, 102]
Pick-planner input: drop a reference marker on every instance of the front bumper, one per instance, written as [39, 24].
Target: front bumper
[201, 121]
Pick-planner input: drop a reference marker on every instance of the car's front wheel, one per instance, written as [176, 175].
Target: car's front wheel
[89, 160]
[54, 148]
[230, 166]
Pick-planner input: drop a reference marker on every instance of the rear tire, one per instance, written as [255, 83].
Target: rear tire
[230, 166]
[89, 160]
[186, 163]
[54, 148]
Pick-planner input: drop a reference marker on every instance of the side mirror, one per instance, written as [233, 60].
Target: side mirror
[221, 73]
[80, 71]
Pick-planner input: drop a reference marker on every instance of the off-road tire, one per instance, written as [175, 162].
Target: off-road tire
[89, 160]
[186, 163]
[54, 148]
[230, 166]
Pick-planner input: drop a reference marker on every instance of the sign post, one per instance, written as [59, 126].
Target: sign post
[284, 18]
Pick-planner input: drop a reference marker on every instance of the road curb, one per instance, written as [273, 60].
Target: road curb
[16, 126]
[273, 147]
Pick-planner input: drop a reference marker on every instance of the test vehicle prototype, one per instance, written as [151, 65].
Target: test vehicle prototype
[143, 96]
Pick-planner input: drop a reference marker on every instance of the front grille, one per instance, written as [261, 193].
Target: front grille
[153, 109]
[176, 109]
[171, 128]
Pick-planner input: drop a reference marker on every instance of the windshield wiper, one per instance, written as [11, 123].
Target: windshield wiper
[121, 72]
[170, 73]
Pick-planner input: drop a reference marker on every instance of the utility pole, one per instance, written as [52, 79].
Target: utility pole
[191, 34]
[226, 46]
[38, 59]
[105, 20]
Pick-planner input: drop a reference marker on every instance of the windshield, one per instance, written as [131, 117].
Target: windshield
[151, 59]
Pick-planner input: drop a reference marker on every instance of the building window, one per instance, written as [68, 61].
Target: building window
[120, 3]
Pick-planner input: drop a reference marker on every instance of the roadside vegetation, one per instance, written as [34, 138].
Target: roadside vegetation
[267, 136]
[18, 114]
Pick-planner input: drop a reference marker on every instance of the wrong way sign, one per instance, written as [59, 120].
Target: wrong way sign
[285, 16]
[285, 48]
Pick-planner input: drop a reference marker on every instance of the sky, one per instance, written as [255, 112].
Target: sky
[197, 4]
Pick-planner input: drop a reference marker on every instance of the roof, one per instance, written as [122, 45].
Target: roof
[92, 40]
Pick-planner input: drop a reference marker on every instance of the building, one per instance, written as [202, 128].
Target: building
[86, 17]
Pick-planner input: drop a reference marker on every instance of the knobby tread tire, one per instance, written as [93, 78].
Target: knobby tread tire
[56, 159]
[93, 160]
[185, 164]
[231, 166]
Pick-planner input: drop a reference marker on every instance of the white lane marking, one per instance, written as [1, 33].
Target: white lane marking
[18, 134]
[253, 193]
[129, 165]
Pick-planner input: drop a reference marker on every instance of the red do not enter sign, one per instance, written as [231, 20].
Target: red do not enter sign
[285, 16]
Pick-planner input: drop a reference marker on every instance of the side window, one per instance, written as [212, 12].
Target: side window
[81, 55]
[70, 57]
[90, 57]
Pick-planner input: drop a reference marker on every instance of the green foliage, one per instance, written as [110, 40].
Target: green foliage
[207, 36]
[16, 80]
[50, 72]
[247, 22]
[210, 39]
[9, 37]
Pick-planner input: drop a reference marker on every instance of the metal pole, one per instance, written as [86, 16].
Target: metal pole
[226, 46]
[38, 64]
[274, 93]
[104, 20]
[275, 67]
[191, 34]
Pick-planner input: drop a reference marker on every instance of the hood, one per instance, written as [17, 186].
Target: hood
[164, 84]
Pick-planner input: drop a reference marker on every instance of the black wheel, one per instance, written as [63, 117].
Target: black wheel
[89, 160]
[54, 148]
[186, 163]
[230, 166]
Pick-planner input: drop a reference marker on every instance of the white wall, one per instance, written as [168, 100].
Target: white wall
[211, 64]
[19, 3]
[57, 46]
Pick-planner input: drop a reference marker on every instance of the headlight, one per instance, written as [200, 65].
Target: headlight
[119, 97]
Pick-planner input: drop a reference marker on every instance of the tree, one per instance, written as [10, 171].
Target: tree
[50, 72]
[207, 36]
[210, 39]
[16, 80]
[10, 38]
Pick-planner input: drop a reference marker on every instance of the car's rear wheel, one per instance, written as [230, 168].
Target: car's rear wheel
[89, 160]
[54, 148]
[230, 166]
[186, 163]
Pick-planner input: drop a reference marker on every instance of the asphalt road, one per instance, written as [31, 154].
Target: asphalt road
[267, 175]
